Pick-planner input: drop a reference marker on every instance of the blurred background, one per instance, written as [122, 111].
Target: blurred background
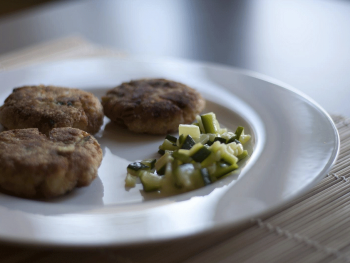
[304, 43]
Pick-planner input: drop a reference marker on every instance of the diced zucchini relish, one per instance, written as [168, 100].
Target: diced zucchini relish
[201, 155]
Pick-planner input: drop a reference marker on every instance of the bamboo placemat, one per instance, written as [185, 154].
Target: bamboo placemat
[313, 228]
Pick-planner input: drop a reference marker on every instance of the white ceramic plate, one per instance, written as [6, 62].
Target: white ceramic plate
[294, 144]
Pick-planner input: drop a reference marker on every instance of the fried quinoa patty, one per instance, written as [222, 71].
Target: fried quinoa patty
[155, 106]
[48, 107]
[33, 165]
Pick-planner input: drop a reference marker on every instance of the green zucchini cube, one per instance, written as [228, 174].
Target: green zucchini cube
[210, 123]
[150, 182]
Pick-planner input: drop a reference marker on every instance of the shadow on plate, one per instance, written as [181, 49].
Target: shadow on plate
[73, 202]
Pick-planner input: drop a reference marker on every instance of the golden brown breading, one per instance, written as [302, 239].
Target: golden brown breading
[155, 106]
[33, 165]
[48, 107]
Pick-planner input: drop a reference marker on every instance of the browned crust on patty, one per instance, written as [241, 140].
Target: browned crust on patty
[48, 107]
[155, 106]
[33, 165]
